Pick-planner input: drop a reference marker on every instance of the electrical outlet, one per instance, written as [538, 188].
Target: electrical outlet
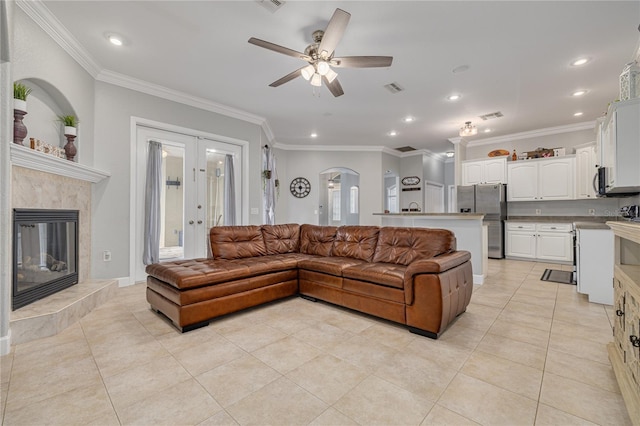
[592, 212]
[538, 211]
[106, 256]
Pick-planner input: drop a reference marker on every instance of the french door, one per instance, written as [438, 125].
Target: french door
[195, 188]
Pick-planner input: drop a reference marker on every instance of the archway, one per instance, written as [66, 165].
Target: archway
[339, 197]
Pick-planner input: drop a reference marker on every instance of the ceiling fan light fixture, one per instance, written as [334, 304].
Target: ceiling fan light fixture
[323, 67]
[468, 129]
[307, 72]
[331, 75]
[316, 80]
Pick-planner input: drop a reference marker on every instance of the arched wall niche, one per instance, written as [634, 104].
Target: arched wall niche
[44, 105]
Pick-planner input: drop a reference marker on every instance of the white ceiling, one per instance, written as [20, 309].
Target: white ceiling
[518, 52]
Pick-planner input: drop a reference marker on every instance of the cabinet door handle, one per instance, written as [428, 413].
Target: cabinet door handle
[619, 312]
[553, 227]
[199, 222]
[190, 222]
[635, 341]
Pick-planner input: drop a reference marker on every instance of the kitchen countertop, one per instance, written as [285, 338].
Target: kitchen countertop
[590, 225]
[436, 215]
[562, 219]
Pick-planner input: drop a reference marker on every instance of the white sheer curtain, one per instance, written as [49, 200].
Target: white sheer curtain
[153, 188]
[229, 191]
[269, 186]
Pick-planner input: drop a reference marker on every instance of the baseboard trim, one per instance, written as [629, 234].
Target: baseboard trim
[5, 344]
[478, 279]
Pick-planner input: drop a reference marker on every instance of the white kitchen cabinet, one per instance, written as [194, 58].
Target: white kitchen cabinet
[484, 171]
[585, 172]
[540, 241]
[541, 179]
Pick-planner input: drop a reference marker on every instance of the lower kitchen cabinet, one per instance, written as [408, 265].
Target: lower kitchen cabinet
[624, 351]
[540, 241]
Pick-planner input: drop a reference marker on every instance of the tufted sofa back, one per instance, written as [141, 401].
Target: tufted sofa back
[357, 242]
[405, 245]
[317, 240]
[236, 242]
[281, 239]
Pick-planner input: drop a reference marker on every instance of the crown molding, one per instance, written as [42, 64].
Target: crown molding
[358, 148]
[42, 16]
[586, 125]
[142, 86]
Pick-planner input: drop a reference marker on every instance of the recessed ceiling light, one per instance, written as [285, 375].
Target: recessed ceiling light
[579, 93]
[454, 97]
[314, 135]
[577, 114]
[408, 119]
[115, 39]
[487, 130]
[393, 133]
[579, 61]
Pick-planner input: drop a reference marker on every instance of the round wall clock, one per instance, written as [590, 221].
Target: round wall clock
[300, 187]
[410, 180]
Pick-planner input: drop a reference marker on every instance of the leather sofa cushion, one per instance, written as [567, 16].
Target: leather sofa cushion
[279, 239]
[406, 245]
[387, 274]
[317, 240]
[371, 291]
[236, 242]
[329, 265]
[197, 272]
[358, 242]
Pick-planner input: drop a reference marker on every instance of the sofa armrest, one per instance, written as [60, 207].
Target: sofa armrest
[436, 265]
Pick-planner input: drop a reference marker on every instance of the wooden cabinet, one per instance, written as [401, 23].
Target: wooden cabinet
[586, 172]
[484, 171]
[624, 351]
[541, 180]
[541, 241]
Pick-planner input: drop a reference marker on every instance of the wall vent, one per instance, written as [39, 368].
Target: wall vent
[491, 116]
[271, 5]
[394, 87]
[405, 149]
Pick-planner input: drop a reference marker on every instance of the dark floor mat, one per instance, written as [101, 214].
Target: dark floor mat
[553, 275]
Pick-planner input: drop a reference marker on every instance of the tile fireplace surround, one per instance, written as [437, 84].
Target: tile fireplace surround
[39, 181]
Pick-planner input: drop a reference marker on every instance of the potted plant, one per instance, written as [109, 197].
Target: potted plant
[20, 93]
[70, 123]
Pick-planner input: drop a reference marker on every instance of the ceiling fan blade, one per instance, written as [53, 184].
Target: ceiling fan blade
[287, 78]
[333, 33]
[362, 61]
[334, 87]
[279, 49]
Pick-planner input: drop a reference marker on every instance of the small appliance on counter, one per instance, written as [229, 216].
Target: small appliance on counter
[631, 212]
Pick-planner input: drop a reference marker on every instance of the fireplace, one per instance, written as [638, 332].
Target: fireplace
[45, 253]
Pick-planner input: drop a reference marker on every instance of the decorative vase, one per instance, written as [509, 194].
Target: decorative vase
[19, 129]
[630, 81]
[70, 149]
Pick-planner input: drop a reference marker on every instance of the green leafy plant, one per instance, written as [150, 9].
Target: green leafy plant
[69, 120]
[20, 91]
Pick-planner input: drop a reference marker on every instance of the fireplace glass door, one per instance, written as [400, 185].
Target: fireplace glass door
[45, 253]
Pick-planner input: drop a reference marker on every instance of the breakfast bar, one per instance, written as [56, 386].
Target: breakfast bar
[471, 234]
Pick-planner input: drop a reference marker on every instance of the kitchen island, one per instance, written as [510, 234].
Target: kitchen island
[471, 234]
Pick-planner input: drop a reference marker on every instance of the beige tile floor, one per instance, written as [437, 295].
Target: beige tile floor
[526, 352]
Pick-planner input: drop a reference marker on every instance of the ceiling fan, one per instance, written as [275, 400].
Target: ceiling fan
[319, 56]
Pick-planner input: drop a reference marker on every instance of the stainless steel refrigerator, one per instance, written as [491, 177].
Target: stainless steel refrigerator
[491, 200]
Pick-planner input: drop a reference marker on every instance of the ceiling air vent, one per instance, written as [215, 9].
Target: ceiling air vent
[405, 149]
[394, 87]
[271, 5]
[491, 116]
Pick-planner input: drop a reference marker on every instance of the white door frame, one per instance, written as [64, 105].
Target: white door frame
[135, 175]
[453, 199]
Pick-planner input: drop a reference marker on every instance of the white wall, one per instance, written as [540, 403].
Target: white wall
[114, 108]
[309, 164]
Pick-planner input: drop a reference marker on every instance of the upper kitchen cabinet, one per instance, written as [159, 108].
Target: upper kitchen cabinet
[541, 180]
[484, 171]
[586, 172]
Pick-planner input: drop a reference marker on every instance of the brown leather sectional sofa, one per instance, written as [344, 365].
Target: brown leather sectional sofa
[413, 276]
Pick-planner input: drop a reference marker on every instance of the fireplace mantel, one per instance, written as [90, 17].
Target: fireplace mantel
[30, 159]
